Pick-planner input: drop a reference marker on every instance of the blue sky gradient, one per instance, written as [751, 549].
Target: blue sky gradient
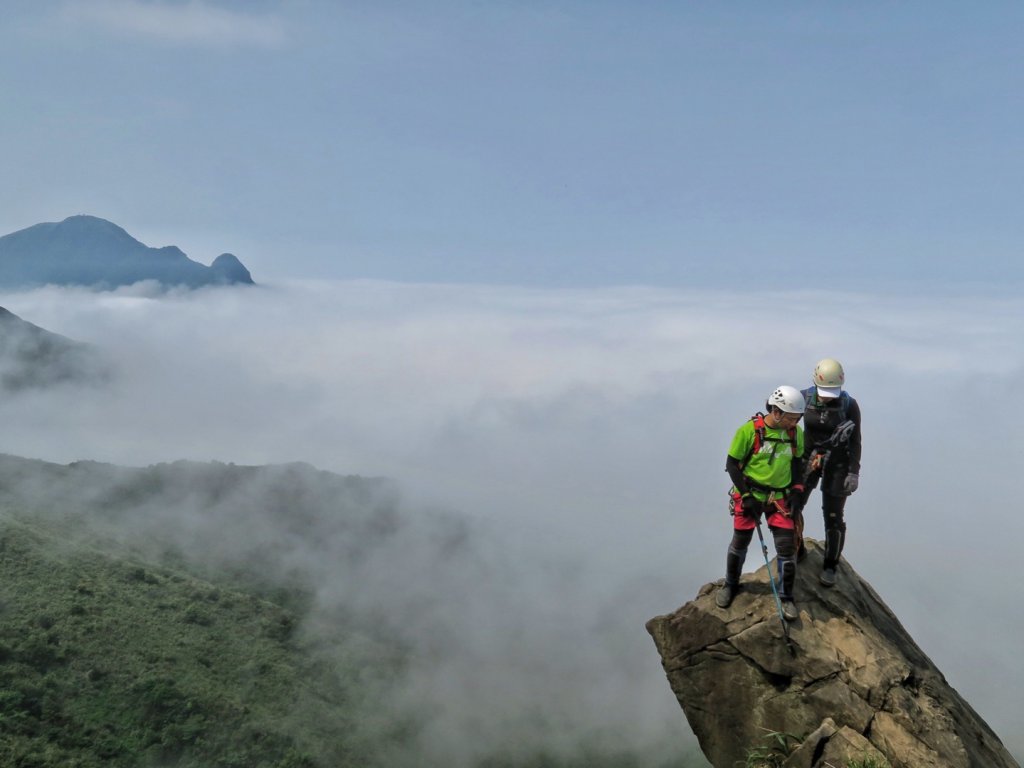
[546, 144]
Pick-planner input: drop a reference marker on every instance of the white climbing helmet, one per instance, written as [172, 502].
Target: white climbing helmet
[829, 378]
[787, 399]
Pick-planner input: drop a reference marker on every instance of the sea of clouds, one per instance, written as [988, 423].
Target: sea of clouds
[584, 432]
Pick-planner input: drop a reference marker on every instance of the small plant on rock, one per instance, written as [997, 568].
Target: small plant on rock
[774, 753]
[868, 762]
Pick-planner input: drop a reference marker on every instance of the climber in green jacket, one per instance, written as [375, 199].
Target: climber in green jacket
[764, 464]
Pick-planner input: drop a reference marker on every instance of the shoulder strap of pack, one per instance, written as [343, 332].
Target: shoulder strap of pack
[758, 421]
[759, 438]
[811, 393]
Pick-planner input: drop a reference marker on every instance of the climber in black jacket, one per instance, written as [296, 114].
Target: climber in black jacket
[833, 458]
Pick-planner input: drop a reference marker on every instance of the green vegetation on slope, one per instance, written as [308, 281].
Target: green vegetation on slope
[217, 615]
[108, 662]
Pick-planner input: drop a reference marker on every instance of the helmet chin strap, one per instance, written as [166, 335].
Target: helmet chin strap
[775, 416]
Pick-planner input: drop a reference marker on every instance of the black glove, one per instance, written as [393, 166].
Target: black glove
[851, 482]
[794, 497]
[750, 505]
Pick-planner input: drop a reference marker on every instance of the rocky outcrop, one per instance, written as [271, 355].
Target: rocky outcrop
[857, 686]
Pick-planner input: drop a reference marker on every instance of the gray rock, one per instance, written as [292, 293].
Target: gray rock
[858, 686]
[833, 746]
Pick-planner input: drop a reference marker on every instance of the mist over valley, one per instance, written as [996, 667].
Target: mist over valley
[500, 485]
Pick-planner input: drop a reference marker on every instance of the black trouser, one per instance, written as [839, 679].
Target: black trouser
[832, 505]
[785, 550]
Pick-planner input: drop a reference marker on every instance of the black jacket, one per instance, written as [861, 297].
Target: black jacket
[821, 417]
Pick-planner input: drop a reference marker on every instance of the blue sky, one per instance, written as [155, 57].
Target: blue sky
[545, 144]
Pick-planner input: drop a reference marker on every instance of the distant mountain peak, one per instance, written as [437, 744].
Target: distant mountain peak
[92, 227]
[228, 265]
[88, 250]
[85, 221]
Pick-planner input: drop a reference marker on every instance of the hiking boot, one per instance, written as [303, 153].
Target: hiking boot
[789, 611]
[725, 595]
[828, 577]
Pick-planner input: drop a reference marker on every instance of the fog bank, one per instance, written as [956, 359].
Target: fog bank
[584, 434]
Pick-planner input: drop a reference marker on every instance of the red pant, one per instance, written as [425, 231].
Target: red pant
[777, 514]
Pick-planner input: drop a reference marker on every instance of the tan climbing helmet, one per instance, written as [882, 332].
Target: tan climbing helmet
[829, 378]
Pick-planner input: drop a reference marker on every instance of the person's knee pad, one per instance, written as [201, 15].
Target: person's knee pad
[785, 542]
[741, 540]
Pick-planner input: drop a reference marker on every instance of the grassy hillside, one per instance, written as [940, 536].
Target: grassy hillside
[106, 661]
[216, 615]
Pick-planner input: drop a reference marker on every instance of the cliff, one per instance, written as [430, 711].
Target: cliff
[857, 686]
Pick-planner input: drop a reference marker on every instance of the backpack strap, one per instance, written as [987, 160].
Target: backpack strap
[844, 404]
[759, 427]
[759, 438]
[811, 396]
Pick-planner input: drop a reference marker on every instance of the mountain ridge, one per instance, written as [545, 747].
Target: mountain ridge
[32, 357]
[90, 251]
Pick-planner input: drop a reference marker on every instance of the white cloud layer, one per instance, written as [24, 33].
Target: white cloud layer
[588, 430]
[193, 22]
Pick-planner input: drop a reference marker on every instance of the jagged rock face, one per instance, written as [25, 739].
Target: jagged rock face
[857, 682]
